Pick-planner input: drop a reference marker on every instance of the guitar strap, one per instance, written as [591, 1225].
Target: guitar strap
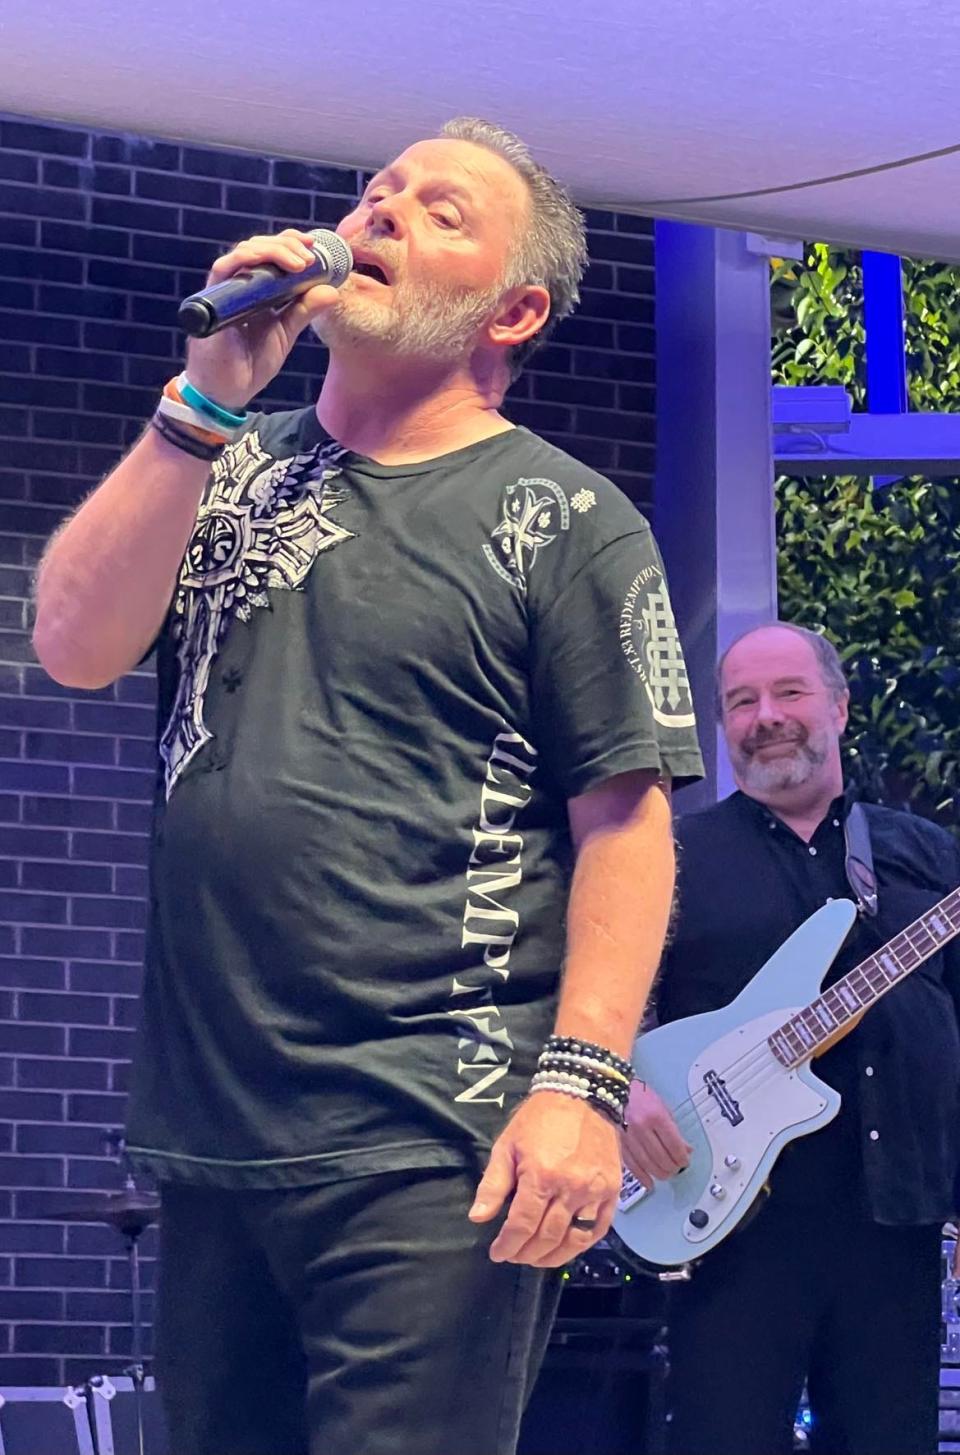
[858, 861]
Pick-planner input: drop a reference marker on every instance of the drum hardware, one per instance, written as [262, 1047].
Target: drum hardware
[130, 1212]
[34, 1418]
[949, 1299]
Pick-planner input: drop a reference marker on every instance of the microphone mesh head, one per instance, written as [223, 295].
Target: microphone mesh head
[337, 253]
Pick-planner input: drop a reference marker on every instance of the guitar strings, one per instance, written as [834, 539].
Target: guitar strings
[748, 1060]
[754, 1068]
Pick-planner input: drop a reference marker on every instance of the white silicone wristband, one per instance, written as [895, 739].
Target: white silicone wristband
[185, 415]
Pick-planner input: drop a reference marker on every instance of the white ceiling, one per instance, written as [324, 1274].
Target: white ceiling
[665, 109]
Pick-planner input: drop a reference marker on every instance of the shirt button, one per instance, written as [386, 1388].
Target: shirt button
[874, 1135]
[836, 823]
[868, 1071]
[813, 850]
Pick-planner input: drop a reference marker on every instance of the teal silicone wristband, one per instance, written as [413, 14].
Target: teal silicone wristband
[216, 412]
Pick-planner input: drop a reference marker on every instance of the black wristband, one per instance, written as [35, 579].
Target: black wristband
[182, 440]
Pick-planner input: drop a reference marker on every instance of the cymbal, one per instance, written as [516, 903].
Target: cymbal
[129, 1211]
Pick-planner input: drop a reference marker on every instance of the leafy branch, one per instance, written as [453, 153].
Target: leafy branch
[878, 570]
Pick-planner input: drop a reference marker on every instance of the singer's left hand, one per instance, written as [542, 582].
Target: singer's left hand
[560, 1159]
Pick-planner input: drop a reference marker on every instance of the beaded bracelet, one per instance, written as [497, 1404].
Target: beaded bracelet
[593, 1073]
[599, 1099]
[612, 1092]
[586, 1074]
[567, 1058]
[569, 1066]
[592, 1083]
[577, 1047]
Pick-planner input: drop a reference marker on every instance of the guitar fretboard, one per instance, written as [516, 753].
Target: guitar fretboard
[835, 1010]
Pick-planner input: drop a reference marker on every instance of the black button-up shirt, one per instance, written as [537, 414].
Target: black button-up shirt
[746, 881]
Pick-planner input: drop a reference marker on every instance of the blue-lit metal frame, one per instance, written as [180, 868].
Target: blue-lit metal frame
[884, 327]
[888, 440]
[713, 503]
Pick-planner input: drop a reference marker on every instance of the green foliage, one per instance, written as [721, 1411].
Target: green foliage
[878, 569]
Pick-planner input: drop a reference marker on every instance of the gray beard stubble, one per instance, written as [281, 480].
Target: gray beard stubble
[419, 323]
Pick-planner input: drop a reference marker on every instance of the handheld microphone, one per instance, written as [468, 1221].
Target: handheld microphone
[267, 286]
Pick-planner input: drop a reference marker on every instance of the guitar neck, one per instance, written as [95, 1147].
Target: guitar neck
[836, 1011]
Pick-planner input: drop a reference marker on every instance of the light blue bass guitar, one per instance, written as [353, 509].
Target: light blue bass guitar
[739, 1084]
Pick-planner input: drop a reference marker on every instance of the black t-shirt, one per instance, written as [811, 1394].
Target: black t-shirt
[746, 882]
[379, 686]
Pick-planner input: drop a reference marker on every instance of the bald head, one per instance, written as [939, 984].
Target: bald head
[826, 654]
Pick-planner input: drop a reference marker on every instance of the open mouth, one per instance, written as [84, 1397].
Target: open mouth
[371, 270]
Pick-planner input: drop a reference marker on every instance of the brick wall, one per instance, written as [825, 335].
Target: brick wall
[100, 235]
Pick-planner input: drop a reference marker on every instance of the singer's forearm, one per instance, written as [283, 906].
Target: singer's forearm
[108, 575]
[618, 910]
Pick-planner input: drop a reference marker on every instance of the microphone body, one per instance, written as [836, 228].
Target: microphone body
[265, 287]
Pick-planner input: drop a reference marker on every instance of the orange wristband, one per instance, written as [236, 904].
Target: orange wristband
[209, 436]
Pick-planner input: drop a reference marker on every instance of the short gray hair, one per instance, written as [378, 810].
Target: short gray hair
[828, 659]
[552, 250]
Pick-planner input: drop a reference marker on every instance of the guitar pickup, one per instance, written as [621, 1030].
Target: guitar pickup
[632, 1191]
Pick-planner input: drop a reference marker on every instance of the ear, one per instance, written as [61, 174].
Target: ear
[843, 711]
[521, 314]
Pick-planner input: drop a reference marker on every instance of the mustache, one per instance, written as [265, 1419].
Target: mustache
[388, 256]
[771, 738]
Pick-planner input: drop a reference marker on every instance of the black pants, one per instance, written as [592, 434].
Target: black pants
[363, 1318]
[816, 1294]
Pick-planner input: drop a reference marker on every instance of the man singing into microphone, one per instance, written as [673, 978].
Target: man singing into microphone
[421, 702]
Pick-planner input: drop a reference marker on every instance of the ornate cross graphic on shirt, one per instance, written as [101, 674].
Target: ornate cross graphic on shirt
[262, 524]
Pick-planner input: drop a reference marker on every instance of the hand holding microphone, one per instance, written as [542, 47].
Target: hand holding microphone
[274, 286]
[267, 286]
